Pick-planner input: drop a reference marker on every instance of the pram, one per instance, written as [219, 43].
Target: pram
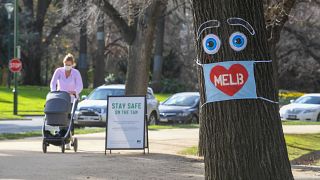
[57, 113]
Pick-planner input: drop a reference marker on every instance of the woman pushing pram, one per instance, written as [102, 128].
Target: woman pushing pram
[66, 85]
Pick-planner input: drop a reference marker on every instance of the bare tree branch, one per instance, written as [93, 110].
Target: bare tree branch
[276, 16]
[42, 8]
[126, 31]
[305, 43]
[56, 29]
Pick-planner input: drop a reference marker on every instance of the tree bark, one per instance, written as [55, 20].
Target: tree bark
[243, 138]
[99, 70]
[140, 51]
[158, 50]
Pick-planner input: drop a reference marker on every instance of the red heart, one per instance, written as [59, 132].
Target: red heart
[231, 80]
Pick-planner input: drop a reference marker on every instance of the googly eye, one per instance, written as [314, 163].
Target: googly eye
[238, 41]
[211, 44]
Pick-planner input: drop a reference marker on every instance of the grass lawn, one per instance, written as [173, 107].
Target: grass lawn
[298, 145]
[300, 123]
[31, 101]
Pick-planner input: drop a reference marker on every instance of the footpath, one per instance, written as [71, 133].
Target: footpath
[23, 159]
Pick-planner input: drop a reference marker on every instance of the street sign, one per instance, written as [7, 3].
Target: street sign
[15, 65]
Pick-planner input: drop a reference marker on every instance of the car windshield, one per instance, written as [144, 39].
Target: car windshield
[102, 94]
[308, 100]
[182, 100]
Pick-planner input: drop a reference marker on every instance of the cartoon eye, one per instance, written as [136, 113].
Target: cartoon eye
[238, 41]
[211, 44]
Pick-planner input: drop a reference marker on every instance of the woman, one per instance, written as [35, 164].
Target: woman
[67, 79]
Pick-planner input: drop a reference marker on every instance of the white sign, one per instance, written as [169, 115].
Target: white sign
[126, 123]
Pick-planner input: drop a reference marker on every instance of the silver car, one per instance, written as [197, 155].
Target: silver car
[92, 111]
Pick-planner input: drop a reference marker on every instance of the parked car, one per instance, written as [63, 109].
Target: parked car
[307, 107]
[180, 108]
[92, 111]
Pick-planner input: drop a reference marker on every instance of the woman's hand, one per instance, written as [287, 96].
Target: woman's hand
[72, 93]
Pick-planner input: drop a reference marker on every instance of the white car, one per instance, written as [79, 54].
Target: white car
[92, 111]
[306, 108]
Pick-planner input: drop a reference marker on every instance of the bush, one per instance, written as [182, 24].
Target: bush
[286, 96]
[172, 86]
[113, 79]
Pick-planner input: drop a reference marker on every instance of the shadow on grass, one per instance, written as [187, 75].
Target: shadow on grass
[307, 159]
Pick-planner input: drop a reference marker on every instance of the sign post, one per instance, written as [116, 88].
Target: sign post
[17, 55]
[126, 123]
[15, 67]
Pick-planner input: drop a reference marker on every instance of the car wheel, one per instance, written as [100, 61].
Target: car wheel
[194, 119]
[152, 119]
[318, 118]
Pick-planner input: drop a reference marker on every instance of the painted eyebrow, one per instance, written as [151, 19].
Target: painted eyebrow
[241, 22]
[207, 25]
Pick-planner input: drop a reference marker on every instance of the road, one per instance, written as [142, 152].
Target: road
[33, 123]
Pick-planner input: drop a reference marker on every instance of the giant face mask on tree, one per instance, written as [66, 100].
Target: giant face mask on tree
[228, 79]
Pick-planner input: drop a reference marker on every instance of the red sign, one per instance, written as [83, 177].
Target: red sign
[15, 65]
[231, 80]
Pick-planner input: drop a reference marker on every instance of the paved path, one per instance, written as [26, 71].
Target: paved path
[301, 129]
[36, 124]
[23, 159]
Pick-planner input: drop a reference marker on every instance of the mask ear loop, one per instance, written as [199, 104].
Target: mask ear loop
[261, 98]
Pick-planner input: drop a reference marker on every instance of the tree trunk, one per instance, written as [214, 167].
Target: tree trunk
[243, 138]
[82, 64]
[158, 57]
[140, 51]
[32, 64]
[4, 76]
[99, 70]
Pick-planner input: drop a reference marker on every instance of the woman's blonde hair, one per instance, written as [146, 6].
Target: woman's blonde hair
[69, 57]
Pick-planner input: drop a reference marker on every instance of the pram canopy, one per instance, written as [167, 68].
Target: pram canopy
[57, 108]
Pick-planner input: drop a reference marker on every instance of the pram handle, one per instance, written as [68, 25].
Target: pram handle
[73, 110]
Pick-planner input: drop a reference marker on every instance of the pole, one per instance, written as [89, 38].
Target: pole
[9, 51]
[15, 89]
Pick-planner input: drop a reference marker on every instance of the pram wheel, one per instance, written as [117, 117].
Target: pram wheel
[62, 146]
[75, 144]
[44, 146]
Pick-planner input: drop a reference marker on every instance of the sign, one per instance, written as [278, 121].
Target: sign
[15, 65]
[126, 123]
[229, 80]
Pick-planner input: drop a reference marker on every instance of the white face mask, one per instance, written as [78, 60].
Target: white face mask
[67, 68]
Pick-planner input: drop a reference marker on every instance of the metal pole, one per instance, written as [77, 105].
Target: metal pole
[9, 51]
[15, 89]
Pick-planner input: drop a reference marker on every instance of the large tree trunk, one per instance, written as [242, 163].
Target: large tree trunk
[140, 51]
[99, 70]
[158, 50]
[32, 64]
[243, 138]
[82, 64]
